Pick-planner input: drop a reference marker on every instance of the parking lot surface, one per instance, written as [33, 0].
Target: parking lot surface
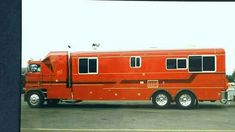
[127, 116]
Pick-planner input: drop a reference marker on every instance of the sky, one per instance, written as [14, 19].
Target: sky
[51, 25]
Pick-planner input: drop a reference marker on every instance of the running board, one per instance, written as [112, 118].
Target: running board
[71, 101]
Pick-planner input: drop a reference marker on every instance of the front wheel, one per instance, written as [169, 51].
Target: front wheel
[35, 99]
[185, 100]
[161, 99]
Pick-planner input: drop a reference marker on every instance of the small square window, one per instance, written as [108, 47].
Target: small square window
[135, 62]
[208, 63]
[182, 64]
[195, 63]
[171, 63]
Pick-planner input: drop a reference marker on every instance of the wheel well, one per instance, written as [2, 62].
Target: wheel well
[185, 90]
[161, 90]
[41, 91]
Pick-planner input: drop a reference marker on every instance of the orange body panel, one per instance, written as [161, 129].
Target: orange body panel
[116, 80]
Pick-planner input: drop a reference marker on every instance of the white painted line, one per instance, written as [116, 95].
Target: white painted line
[125, 130]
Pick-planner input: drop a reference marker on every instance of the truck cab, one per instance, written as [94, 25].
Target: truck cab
[46, 80]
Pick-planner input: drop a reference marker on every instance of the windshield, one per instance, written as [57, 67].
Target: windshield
[34, 68]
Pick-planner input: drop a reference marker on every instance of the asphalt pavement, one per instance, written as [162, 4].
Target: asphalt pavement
[127, 116]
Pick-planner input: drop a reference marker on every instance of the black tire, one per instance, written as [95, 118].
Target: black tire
[196, 103]
[185, 100]
[161, 99]
[35, 99]
[52, 102]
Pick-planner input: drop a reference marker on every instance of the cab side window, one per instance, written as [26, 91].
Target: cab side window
[34, 68]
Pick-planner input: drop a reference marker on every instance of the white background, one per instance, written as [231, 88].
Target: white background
[49, 25]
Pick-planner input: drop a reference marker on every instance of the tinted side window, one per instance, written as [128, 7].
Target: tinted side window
[195, 63]
[132, 61]
[92, 66]
[208, 63]
[137, 62]
[182, 63]
[83, 65]
[171, 63]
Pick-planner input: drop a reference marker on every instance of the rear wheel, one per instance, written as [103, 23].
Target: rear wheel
[35, 99]
[161, 99]
[185, 100]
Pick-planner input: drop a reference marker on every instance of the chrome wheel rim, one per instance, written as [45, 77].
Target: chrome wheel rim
[34, 99]
[185, 100]
[161, 99]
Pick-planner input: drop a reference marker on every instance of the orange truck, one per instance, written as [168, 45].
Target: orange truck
[186, 77]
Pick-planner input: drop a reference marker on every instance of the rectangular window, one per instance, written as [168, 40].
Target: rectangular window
[202, 63]
[88, 65]
[132, 61]
[208, 63]
[177, 63]
[83, 65]
[135, 62]
[34, 68]
[92, 66]
[138, 62]
[182, 64]
[195, 63]
[171, 63]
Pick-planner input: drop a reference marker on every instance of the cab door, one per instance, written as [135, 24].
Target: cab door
[33, 76]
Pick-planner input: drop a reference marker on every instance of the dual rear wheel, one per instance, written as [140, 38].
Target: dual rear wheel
[161, 99]
[184, 100]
